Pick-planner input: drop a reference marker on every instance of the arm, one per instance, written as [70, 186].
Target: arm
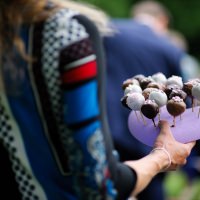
[158, 161]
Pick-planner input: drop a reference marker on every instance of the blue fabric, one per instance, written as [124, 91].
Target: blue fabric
[37, 147]
[25, 112]
[86, 105]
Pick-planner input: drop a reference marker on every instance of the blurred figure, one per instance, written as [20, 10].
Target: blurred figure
[189, 64]
[138, 47]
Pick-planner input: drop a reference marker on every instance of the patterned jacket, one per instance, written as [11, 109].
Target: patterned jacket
[51, 119]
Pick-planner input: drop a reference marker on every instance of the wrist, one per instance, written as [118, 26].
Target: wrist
[162, 158]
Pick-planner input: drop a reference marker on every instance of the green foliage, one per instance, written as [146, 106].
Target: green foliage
[114, 8]
[174, 183]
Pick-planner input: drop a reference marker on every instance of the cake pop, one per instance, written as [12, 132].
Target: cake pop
[150, 110]
[147, 91]
[123, 101]
[178, 92]
[132, 88]
[176, 80]
[196, 93]
[175, 107]
[170, 88]
[160, 98]
[154, 84]
[145, 81]
[159, 78]
[134, 101]
[130, 81]
[139, 77]
[187, 87]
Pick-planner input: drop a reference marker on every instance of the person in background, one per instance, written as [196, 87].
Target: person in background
[139, 46]
[54, 136]
[189, 64]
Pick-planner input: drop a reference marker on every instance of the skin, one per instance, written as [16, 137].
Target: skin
[157, 161]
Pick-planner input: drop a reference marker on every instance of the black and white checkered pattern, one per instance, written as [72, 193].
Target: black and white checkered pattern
[60, 30]
[26, 183]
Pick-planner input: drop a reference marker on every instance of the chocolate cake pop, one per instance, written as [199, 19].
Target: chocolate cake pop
[150, 110]
[123, 101]
[170, 88]
[132, 88]
[178, 92]
[154, 84]
[187, 87]
[159, 78]
[145, 81]
[175, 107]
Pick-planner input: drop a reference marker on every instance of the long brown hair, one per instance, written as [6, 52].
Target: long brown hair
[14, 13]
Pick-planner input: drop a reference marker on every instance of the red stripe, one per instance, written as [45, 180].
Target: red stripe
[83, 72]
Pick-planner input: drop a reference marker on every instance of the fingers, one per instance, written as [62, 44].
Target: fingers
[191, 144]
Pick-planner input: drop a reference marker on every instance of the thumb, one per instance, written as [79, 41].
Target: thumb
[191, 144]
[165, 128]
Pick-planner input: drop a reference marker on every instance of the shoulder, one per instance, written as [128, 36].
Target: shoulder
[66, 19]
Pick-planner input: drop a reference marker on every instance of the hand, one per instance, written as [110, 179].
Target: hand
[177, 151]
[174, 153]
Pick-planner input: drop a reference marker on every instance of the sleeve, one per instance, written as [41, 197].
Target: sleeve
[92, 161]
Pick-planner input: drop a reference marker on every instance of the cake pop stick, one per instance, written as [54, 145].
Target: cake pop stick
[136, 115]
[142, 117]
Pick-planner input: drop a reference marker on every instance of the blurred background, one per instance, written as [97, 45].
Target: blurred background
[186, 17]
[186, 20]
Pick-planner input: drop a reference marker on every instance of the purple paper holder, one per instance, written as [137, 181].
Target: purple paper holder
[187, 127]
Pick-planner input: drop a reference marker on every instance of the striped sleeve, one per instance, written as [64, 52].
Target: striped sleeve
[78, 69]
[77, 64]
[78, 76]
